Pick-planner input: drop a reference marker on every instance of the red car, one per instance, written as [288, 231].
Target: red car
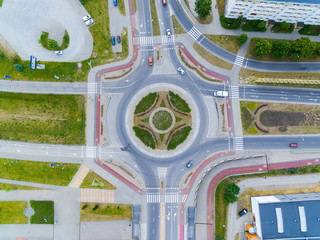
[294, 145]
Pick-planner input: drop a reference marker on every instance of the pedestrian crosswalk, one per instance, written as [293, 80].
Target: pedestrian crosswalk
[91, 152]
[154, 197]
[171, 198]
[91, 87]
[239, 60]
[195, 33]
[162, 172]
[234, 91]
[165, 40]
[146, 40]
[238, 143]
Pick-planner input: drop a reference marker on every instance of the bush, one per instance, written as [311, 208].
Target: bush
[243, 38]
[255, 25]
[230, 23]
[18, 67]
[52, 44]
[84, 207]
[179, 137]
[232, 190]
[309, 30]
[95, 207]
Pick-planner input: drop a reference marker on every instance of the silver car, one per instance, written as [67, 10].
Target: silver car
[181, 70]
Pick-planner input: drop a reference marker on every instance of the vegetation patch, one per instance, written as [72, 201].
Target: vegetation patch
[252, 105]
[179, 103]
[11, 212]
[230, 23]
[310, 30]
[121, 7]
[39, 172]
[210, 58]
[13, 187]
[42, 118]
[90, 179]
[1, 1]
[155, 20]
[283, 27]
[91, 212]
[246, 117]
[178, 29]
[43, 212]
[253, 130]
[145, 103]
[52, 44]
[229, 43]
[179, 137]
[145, 137]
[162, 120]
[255, 25]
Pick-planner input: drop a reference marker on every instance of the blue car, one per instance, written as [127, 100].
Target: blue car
[113, 40]
[115, 3]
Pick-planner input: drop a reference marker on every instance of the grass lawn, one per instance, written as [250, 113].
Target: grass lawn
[221, 6]
[179, 103]
[210, 58]
[178, 29]
[121, 7]
[145, 137]
[43, 212]
[162, 120]
[9, 187]
[155, 21]
[89, 179]
[11, 212]
[179, 137]
[268, 57]
[1, 1]
[44, 38]
[39, 172]
[145, 103]
[229, 43]
[105, 212]
[221, 209]
[42, 118]
[246, 116]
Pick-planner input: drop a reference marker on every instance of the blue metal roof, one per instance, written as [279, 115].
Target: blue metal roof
[291, 220]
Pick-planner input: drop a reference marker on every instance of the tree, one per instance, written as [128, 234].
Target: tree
[18, 67]
[262, 48]
[303, 47]
[243, 38]
[52, 44]
[281, 49]
[231, 191]
[284, 26]
[203, 8]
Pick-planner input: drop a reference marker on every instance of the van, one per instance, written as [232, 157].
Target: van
[150, 61]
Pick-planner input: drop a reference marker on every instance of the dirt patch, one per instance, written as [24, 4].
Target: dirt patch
[278, 118]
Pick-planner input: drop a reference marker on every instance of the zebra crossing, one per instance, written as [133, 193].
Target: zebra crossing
[162, 172]
[165, 40]
[146, 40]
[171, 198]
[154, 197]
[234, 91]
[239, 60]
[91, 152]
[91, 87]
[195, 33]
[238, 143]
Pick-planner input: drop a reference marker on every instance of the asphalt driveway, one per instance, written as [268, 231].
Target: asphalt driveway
[22, 22]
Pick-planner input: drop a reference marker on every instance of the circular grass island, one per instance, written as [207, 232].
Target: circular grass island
[162, 120]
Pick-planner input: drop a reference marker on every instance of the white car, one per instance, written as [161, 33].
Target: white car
[89, 22]
[181, 70]
[58, 52]
[86, 18]
[221, 94]
[168, 32]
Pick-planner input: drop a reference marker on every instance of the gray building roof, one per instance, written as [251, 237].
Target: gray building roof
[298, 1]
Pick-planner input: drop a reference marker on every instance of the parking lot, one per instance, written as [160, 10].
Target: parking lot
[22, 22]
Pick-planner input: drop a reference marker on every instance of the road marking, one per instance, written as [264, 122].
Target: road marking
[229, 143]
[186, 12]
[171, 198]
[238, 143]
[239, 60]
[153, 197]
[184, 198]
[91, 152]
[91, 88]
[234, 91]
[165, 40]
[195, 33]
[162, 172]
[146, 40]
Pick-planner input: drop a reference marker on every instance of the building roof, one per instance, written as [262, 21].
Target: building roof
[297, 1]
[287, 216]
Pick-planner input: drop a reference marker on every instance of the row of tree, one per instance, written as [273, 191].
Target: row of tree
[300, 48]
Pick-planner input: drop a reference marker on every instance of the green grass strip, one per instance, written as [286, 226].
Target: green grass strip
[155, 21]
[1, 1]
[145, 137]
[145, 103]
[43, 212]
[39, 172]
[178, 137]
[121, 7]
[179, 103]
[11, 212]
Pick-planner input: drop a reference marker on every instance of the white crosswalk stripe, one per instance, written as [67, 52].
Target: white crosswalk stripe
[91, 88]
[238, 143]
[146, 40]
[171, 198]
[162, 172]
[153, 197]
[229, 143]
[165, 40]
[91, 152]
[234, 92]
[239, 60]
[184, 198]
[195, 33]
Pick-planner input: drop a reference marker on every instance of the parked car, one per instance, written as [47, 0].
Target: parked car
[189, 164]
[118, 39]
[168, 32]
[243, 212]
[294, 145]
[113, 40]
[181, 70]
[150, 61]
[115, 3]
[58, 52]
[86, 18]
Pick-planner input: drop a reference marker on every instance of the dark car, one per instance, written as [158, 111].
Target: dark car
[118, 39]
[294, 145]
[115, 3]
[243, 212]
[189, 164]
[113, 40]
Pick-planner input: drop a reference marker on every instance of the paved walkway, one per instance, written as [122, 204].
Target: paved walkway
[79, 177]
[97, 195]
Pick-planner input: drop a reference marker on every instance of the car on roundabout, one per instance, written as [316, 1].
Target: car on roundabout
[181, 70]
[189, 164]
[58, 52]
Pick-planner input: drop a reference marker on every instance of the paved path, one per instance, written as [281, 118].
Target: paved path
[79, 177]
[97, 195]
